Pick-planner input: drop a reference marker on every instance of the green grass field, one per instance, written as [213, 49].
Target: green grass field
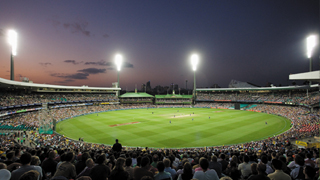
[139, 127]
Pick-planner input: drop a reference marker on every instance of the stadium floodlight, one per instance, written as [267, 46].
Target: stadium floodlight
[118, 61]
[194, 62]
[12, 38]
[311, 43]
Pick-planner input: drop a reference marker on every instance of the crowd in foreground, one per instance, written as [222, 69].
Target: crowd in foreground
[117, 163]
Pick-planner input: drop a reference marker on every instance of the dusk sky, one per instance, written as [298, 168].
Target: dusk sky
[74, 42]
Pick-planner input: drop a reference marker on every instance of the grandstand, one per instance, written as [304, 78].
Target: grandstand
[173, 99]
[23, 109]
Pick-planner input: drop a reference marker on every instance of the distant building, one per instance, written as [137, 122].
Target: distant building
[239, 84]
[143, 87]
[148, 86]
[174, 87]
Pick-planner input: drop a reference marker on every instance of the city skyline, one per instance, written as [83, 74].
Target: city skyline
[74, 42]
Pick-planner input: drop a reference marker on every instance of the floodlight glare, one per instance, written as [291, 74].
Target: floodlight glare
[118, 59]
[194, 61]
[12, 38]
[311, 43]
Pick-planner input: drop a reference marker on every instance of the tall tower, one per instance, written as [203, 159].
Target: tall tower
[186, 84]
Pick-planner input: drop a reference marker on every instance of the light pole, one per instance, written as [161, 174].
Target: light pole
[118, 60]
[194, 62]
[12, 38]
[311, 43]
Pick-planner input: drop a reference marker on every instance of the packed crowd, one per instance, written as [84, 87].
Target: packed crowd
[260, 153]
[215, 105]
[9, 99]
[296, 97]
[174, 100]
[136, 99]
[32, 118]
[88, 161]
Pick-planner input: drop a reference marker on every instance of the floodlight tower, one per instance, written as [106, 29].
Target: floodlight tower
[194, 62]
[118, 61]
[311, 43]
[12, 38]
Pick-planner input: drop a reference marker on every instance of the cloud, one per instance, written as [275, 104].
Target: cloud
[65, 81]
[78, 27]
[72, 61]
[45, 64]
[92, 70]
[100, 63]
[105, 35]
[71, 76]
[127, 65]
[110, 64]
[81, 74]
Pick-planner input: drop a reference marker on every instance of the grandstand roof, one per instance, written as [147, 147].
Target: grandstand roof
[4, 83]
[135, 95]
[173, 96]
[238, 84]
[309, 76]
[256, 88]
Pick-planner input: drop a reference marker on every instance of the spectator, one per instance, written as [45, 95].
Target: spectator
[264, 160]
[3, 166]
[253, 170]
[87, 170]
[100, 171]
[187, 172]
[155, 159]
[66, 168]
[168, 169]
[10, 157]
[134, 159]
[139, 172]
[261, 168]
[213, 164]
[245, 167]
[233, 171]
[35, 161]
[49, 165]
[25, 167]
[309, 161]
[309, 173]
[278, 174]
[205, 173]
[297, 173]
[30, 175]
[162, 174]
[128, 168]
[223, 162]
[117, 147]
[118, 172]
[81, 164]
[5, 174]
